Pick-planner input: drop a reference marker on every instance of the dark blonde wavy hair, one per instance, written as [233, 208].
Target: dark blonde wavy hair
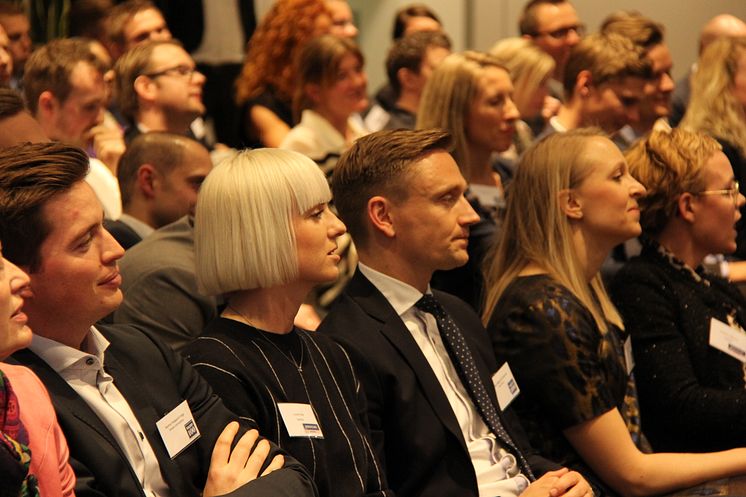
[286, 28]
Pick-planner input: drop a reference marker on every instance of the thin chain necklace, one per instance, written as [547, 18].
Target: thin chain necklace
[298, 364]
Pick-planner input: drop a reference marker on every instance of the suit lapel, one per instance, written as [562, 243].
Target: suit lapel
[375, 304]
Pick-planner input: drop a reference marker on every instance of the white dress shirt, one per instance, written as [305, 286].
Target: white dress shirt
[497, 470]
[84, 372]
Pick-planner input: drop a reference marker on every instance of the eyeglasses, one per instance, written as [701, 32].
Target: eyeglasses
[180, 70]
[563, 33]
[733, 191]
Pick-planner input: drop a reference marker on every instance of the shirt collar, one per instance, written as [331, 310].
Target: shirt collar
[60, 356]
[400, 295]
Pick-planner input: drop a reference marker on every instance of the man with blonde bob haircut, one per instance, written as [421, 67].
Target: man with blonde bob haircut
[423, 357]
[604, 80]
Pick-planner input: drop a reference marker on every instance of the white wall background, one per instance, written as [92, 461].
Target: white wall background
[478, 24]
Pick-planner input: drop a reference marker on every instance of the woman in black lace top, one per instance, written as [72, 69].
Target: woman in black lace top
[692, 395]
[550, 318]
[264, 237]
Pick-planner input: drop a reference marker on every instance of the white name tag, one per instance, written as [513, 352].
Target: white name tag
[506, 387]
[300, 421]
[629, 359]
[178, 429]
[728, 340]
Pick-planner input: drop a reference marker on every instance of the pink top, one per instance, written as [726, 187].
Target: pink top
[49, 452]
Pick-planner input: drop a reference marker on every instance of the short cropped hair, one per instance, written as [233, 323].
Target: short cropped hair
[528, 23]
[379, 164]
[668, 163]
[49, 68]
[121, 14]
[11, 103]
[31, 175]
[318, 62]
[404, 14]
[131, 65]
[608, 57]
[644, 32]
[243, 228]
[409, 51]
[164, 151]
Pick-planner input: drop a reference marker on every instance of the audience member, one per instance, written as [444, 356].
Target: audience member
[89, 19]
[423, 358]
[470, 95]
[343, 25]
[414, 18]
[102, 380]
[604, 84]
[6, 60]
[691, 394]
[33, 450]
[550, 318]
[16, 124]
[409, 64]
[158, 88]
[66, 93]
[530, 71]
[267, 82]
[159, 176]
[656, 103]
[718, 108]
[553, 25]
[720, 26]
[278, 200]
[132, 23]
[15, 22]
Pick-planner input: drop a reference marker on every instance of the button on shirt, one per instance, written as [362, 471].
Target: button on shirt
[84, 372]
[496, 469]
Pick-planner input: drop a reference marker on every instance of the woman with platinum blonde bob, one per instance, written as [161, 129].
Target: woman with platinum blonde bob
[264, 237]
[692, 395]
[549, 316]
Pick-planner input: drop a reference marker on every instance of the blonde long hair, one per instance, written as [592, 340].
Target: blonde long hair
[538, 230]
[713, 109]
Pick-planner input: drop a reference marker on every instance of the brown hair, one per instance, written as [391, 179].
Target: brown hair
[378, 164]
[409, 51]
[49, 68]
[404, 14]
[274, 46]
[11, 103]
[668, 163]
[608, 57]
[643, 31]
[318, 63]
[121, 14]
[30, 176]
[527, 23]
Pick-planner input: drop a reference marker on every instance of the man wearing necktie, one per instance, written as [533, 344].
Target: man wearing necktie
[423, 357]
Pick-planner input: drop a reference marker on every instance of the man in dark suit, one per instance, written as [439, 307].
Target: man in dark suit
[139, 421]
[433, 412]
[159, 177]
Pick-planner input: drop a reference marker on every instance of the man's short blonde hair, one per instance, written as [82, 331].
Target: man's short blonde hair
[243, 233]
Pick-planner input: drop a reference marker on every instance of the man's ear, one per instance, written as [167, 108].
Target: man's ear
[47, 103]
[569, 204]
[583, 83]
[380, 215]
[686, 207]
[407, 78]
[147, 180]
[145, 88]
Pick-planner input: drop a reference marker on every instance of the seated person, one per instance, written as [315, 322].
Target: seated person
[692, 395]
[549, 317]
[278, 201]
[33, 450]
[116, 390]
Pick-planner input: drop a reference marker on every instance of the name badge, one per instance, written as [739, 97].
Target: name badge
[178, 429]
[506, 387]
[727, 339]
[629, 359]
[300, 421]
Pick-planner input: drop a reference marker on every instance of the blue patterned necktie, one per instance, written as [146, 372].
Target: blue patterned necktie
[467, 371]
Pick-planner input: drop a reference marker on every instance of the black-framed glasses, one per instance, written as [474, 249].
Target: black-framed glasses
[733, 191]
[180, 70]
[563, 33]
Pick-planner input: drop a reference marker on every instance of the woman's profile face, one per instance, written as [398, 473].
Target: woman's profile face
[316, 232]
[718, 210]
[14, 285]
[490, 124]
[606, 198]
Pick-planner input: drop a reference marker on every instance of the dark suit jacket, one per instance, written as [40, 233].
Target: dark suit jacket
[154, 380]
[122, 233]
[412, 424]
